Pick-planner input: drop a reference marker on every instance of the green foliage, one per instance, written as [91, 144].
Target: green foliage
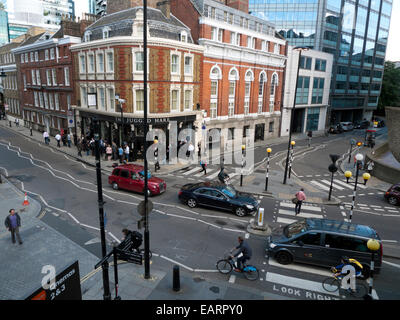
[390, 94]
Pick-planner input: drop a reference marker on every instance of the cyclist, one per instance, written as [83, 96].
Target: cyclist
[346, 261]
[246, 251]
[134, 237]
[223, 176]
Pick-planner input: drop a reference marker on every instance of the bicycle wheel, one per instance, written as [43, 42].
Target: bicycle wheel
[142, 253]
[224, 266]
[361, 290]
[331, 284]
[251, 273]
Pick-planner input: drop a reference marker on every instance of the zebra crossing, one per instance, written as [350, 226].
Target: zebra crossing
[198, 175]
[284, 212]
[324, 184]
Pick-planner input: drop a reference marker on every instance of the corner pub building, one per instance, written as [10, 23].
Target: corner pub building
[109, 64]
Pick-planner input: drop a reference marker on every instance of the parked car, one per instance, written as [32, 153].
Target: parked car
[346, 126]
[131, 177]
[393, 194]
[335, 129]
[364, 124]
[218, 195]
[323, 242]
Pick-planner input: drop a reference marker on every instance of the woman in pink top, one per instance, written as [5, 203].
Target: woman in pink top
[300, 196]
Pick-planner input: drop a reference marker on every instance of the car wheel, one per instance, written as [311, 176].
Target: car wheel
[192, 203]
[240, 212]
[115, 186]
[284, 257]
[392, 200]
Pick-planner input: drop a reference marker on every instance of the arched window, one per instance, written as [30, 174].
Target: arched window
[261, 84]
[215, 73]
[274, 83]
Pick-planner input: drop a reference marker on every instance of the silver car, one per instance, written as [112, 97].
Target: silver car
[347, 126]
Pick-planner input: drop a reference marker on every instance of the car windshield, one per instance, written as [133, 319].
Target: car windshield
[141, 173]
[295, 228]
[229, 191]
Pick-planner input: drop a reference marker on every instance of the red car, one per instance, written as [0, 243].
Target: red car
[393, 194]
[131, 177]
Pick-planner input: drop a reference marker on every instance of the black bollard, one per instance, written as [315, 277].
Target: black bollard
[176, 280]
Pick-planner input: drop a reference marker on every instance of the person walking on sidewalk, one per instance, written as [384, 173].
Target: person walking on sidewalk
[58, 138]
[69, 140]
[126, 151]
[109, 152]
[114, 151]
[13, 223]
[46, 137]
[79, 147]
[120, 154]
[300, 196]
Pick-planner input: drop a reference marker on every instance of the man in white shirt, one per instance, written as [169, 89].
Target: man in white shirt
[126, 151]
[46, 137]
[58, 138]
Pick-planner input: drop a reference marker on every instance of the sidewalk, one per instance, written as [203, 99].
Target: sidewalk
[42, 245]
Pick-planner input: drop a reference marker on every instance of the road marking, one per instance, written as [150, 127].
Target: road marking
[391, 264]
[320, 185]
[344, 184]
[191, 171]
[379, 209]
[297, 267]
[292, 205]
[284, 220]
[297, 283]
[394, 241]
[247, 235]
[343, 214]
[305, 215]
[333, 184]
[232, 278]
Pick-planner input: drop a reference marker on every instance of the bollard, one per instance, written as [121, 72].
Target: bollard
[176, 280]
[0, 179]
[260, 217]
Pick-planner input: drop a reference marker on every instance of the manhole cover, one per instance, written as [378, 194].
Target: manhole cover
[214, 289]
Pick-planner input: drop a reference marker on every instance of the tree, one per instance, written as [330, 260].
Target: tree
[390, 94]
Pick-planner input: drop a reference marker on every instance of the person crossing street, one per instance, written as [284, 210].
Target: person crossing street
[300, 196]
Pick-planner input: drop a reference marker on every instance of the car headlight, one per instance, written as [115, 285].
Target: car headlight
[249, 206]
[271, 245]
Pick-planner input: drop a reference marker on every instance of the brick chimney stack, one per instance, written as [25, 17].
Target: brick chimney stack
[242, 5]
[165, 8]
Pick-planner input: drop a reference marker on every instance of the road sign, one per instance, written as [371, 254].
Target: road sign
[70, 119]
[141, 208]
[129, 256]
[67, 286]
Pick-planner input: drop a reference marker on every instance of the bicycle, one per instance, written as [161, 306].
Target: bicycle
[333, 283]
[226, 265]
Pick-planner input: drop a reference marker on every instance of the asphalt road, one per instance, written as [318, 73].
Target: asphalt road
[194, 238]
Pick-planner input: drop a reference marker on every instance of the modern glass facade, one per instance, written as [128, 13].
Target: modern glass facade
[4, 35]
[357, 40]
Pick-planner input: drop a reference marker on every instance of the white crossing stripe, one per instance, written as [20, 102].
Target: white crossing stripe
[319, 185]
[301, 214]
[212, 176]
[333, 184]
[191, 171]
[344, 184]
[284, 220]
[232, 279]
[297, 283]
[201, 174]
[292, 205]
[302, 268]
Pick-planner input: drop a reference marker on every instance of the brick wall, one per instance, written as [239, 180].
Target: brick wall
[119, 5]
[185, 12]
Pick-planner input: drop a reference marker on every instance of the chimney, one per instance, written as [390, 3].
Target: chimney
[165, 8]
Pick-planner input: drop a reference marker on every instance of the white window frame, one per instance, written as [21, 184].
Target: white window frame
[54, 76]
[22, 58]
[231, 108]
[184, 36]
[175, 54]
[48, 76]
[190, 107]
[107, 54]
[177, 89]
[46, 54]
[214, 34]
[56, 101]
[233, 38]
[135, 62]
[191, 65]
[277, 48]
[101, 103]
[36, 56]
[31, 54]
[51, 101]
[135, 90]
[36, 98]
[83, 96]
[52, 56]
[82, 63]
[89, 65]
[41, 99]
[38, 78]
[213, 110]
[24, 80]
[110, 93]
[238, 38]
[33, 77]
[246, 106]
[220, 35]
[26, 57]
[249, 41]
[46, 100]
[106, 32]
[98, 62]
[66, 76]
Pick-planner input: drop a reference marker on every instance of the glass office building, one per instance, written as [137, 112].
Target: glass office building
[355, 32]
[4, 35]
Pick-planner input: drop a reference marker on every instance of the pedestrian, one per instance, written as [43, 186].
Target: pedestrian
[58, 138]
[46, 137]
[16, 122]
[114, 151]
[64, 139]
[120, 154]
[199, 149]
[370, 166]
[69, 140]
[109, 152]
[31, 128]
[79, 147]
[204, 166]
[300, 196]
[13, 223]
[91, 145]
[126, 151]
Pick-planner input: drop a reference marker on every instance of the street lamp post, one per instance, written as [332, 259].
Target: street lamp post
[300, 49]
[373, 245]
[241, 172]
[348, 174]
[292, 143]
[266, 178]
[352, 143]
[106, 283]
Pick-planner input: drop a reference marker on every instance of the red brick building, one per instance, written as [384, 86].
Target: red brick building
[109, 62]
[243, 68]
[44, 65]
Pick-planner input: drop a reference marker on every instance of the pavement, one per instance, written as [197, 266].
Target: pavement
[21, 267]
